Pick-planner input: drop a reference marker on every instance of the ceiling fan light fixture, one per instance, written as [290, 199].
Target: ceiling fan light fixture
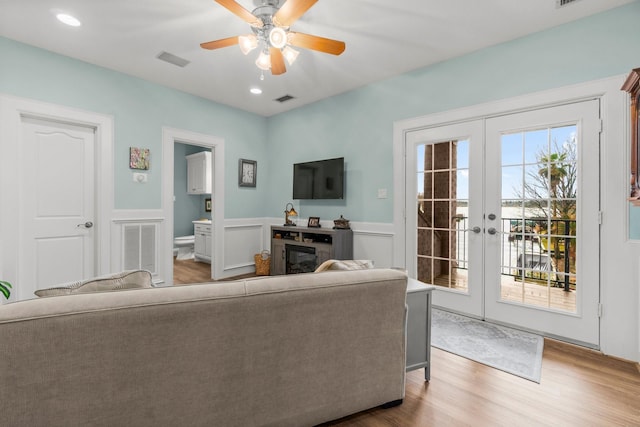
[264, 61]
[247, 43]
[290, 54]
[277, 37]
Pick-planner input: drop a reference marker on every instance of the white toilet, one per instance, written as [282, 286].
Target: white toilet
[183, 247]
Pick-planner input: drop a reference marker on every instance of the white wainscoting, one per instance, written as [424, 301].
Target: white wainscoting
[374, 241]
[243, 239]
[151, 247]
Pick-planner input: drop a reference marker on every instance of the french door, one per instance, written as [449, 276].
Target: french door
[504, 218]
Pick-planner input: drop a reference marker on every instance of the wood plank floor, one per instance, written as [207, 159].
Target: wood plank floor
[579, 387]
[190, 271]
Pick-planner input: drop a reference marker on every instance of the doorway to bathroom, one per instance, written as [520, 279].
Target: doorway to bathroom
[194, 216]
[192, 213]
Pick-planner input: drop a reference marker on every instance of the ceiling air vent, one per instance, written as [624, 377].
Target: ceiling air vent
[172, 59]
[285, 98]
[562, 3]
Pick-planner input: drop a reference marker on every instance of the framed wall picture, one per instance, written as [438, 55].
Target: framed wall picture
[314, 221]
[139, 158]
[207, 205]
[247, 171]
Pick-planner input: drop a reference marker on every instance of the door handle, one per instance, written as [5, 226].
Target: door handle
[476, 229]
[87, 224]
[492, 231]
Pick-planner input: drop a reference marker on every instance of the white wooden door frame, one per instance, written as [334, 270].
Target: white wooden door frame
[12, 109]
[615, 123]
[170, 137]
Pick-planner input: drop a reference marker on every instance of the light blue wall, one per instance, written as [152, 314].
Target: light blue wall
[186, 207]
[359, 124]
[140, 109]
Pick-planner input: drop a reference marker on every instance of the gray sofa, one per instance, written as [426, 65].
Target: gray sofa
[293, 350]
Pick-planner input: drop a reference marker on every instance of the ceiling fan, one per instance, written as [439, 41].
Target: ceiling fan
[271, 24]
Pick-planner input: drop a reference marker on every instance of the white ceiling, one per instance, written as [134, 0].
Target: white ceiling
[383, 37]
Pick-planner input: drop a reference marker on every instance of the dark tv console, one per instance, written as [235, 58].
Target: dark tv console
[303, 249]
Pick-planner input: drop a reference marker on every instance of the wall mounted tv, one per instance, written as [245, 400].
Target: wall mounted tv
[322, 179]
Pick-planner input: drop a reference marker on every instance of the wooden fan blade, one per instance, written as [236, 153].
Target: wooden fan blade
[321, 44]
[217, 44]
[241, 12]
[290, 11]
[277, 61]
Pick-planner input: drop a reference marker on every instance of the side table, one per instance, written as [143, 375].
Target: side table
[419, 326]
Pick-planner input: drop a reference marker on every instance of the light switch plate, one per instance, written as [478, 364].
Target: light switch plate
[139, 177]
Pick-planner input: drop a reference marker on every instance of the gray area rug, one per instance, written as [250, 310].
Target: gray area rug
[516, 352]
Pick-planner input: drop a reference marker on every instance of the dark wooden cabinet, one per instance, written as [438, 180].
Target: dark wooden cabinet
[632, 85]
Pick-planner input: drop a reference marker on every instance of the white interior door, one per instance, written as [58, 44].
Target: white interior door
[56, 181]
[444, 213]
[541, 247]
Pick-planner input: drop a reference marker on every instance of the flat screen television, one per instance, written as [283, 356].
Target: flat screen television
[322, 179]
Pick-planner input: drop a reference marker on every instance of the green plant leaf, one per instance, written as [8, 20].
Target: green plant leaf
[4, 288]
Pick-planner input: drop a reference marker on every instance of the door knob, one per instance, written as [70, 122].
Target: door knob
[476, 229]
[492, 231]
[87, 224]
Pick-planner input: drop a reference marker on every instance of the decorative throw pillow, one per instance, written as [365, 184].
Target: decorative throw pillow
[349, 264]
[124, 280]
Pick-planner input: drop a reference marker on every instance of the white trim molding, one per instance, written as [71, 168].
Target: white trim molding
[170, 136]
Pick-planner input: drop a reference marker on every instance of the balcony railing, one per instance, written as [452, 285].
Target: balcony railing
[532, 248]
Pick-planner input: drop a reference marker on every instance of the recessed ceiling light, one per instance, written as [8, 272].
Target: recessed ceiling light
[65, 18]
[255, 90]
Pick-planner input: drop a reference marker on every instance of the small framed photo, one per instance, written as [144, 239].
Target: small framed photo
[247, 171]
[314, 221]
[207, 205]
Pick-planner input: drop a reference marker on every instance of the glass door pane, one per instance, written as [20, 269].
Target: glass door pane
[442, 213]
[539, 199]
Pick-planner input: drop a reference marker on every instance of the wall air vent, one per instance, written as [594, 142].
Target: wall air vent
[284, 98]
[139, 247]
[562, 3]
[172, 59]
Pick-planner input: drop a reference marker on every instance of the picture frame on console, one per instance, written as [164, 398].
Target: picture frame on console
[314, 222]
